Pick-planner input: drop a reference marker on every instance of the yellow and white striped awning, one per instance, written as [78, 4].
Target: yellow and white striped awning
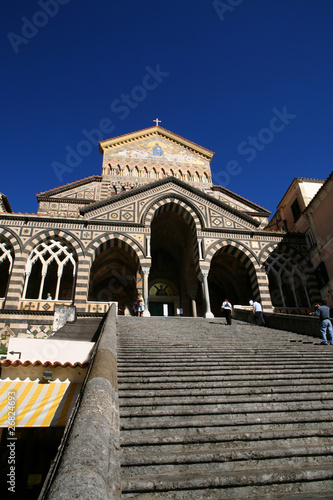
[36, 404]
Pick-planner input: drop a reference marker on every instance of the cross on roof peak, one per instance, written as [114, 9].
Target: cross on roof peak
[157, 121]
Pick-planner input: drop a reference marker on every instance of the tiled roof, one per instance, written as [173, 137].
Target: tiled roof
[46, 364]
[238, 196]
[71, 184]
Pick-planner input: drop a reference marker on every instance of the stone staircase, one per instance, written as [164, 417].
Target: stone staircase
[223, 412]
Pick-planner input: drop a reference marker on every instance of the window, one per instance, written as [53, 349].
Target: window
[309, 239]
[321, 275]
[51, 268]
[296, 210]
[6, 264]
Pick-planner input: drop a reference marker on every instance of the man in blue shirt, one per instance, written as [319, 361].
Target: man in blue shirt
[325, 324]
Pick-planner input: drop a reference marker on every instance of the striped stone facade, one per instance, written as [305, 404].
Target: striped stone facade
[119, 232]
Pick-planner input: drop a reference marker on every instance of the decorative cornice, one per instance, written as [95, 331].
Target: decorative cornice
[25, 312]
[71, 185]
[239, 198]
[161, 182]
[5, 203]
[74, 201]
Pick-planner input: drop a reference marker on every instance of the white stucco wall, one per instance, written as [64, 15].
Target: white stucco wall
[50, 350]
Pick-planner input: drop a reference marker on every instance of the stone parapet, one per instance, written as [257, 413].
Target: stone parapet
[296, 323]
[90, 467]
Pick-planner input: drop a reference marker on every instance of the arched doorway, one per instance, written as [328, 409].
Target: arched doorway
[174, 269]
[229, 278]
[114, 275]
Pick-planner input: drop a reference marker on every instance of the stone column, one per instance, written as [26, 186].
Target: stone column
[263, 290]
[16, 283]
[194, 308]
[200, 249]
[81, 284]
[208, 313]
[146, 271]
[148, 255]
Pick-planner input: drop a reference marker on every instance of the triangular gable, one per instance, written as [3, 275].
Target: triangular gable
[158, 132]
[130, 207]
[158, 149]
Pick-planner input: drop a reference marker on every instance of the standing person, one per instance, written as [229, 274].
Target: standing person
[135, 307]
[325, 324]
[141, 305]
[258, 314]
[227, 309]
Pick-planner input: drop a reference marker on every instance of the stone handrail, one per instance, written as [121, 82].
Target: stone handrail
[89, 467]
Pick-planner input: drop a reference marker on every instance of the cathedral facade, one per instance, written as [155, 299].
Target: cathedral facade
[151, 224]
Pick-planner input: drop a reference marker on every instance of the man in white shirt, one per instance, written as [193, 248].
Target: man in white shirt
[257, 311]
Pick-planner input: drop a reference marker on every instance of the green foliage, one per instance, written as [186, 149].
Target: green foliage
[3, 349]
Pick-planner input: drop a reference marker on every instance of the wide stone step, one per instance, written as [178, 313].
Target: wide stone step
[220, 463]
[227, 408]
[174, 401]
[220, 454]
[194, 378]
[213, 479]
[211, 431]
[227, 419]
[297, 388]
[160, 443]
[313, 490]
[232, 381]
[221, 368]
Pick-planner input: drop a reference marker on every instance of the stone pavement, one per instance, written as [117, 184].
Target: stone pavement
[223, 412]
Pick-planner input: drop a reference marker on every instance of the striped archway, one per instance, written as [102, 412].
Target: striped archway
[292, 281]
[9, 248]
[234, 274]
[51, 266]
[54, 233]
[114, 270]
[179, 205]
[174, 224]
[111, 240]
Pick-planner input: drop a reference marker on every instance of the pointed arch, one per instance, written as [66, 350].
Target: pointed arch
[180, 205]
[51, 268]
[115, 264]
[54, 233]
[114, 239]
[6, 263]
[245, 257]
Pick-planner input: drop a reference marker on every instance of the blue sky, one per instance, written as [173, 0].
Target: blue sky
[248, 79]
